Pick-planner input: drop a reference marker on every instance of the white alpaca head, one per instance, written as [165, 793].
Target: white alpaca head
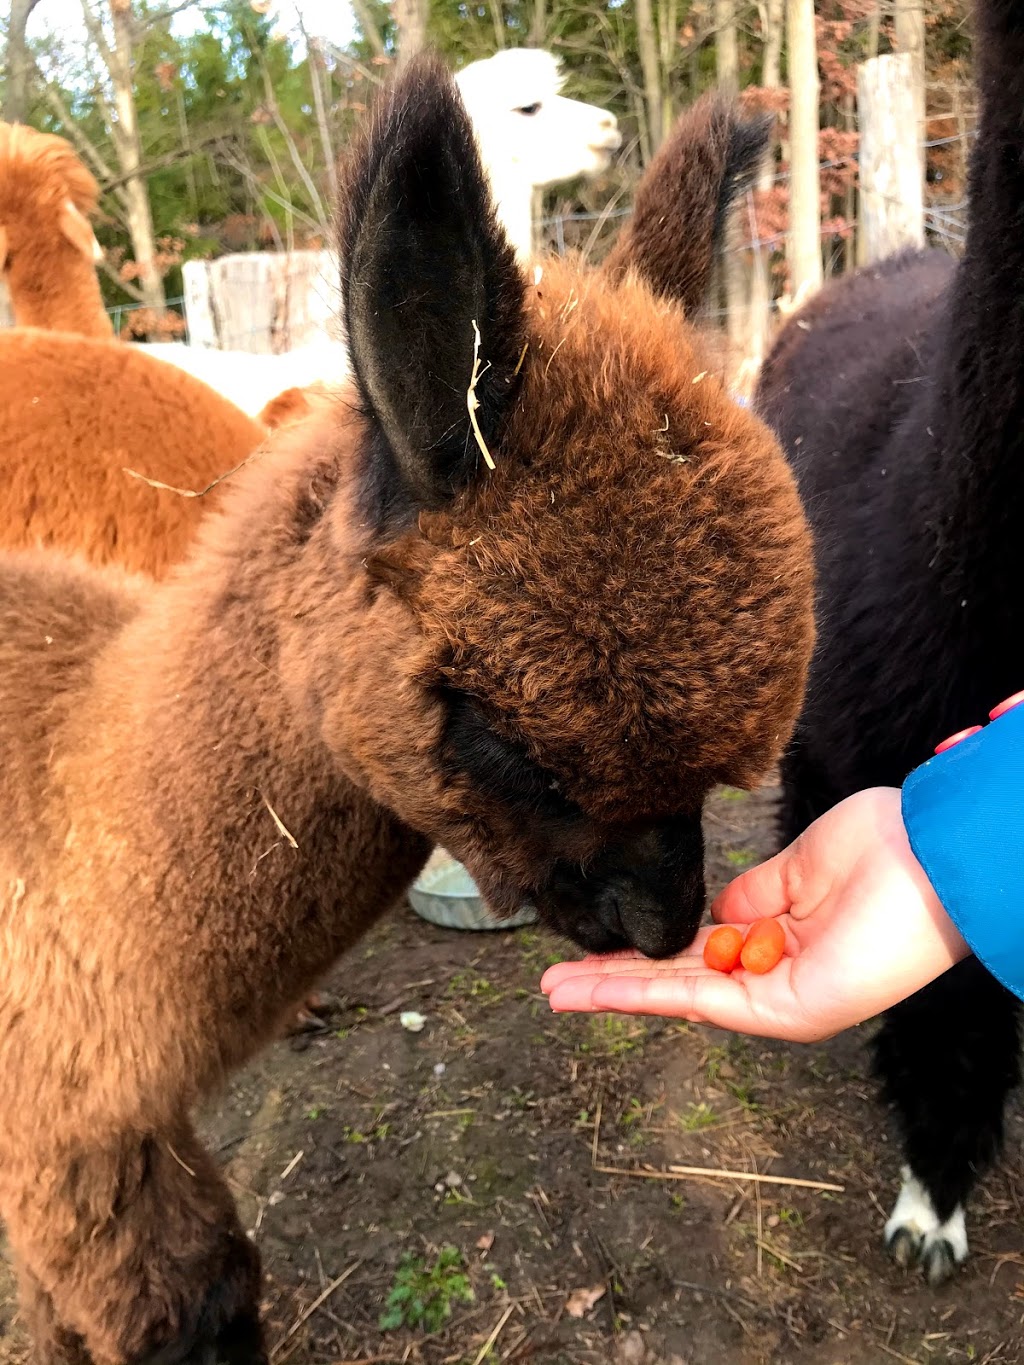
[530, 135]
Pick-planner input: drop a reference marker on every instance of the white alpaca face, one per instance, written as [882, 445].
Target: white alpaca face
[526, 128]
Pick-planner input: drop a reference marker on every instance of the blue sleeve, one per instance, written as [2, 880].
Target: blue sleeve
[964, 814]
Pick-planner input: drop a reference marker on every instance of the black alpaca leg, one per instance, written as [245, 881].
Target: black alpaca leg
[947, 1059]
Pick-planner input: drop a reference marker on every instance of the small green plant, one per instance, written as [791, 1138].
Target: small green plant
[731, 794]
[740, 857]
[743, 1093]
[497, 1282]
[791, 1218]
[713, 1065]
[315, 1113]
[422, 1299]
[634, 1113]
[697, 1116]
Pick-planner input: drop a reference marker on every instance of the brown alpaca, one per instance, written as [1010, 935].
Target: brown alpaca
[48, 252]
[212, 788]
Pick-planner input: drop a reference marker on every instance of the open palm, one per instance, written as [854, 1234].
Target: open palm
[864, 930]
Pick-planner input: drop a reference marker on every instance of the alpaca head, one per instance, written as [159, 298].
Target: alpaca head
[46, 199]
[525, 126]
[559, 656]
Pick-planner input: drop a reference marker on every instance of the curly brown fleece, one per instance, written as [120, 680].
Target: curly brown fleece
[211, 788]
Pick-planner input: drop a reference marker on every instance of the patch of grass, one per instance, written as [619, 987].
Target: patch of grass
[743, 1093]
[613, 1035]
[634, 1114]
[713, 1065]
[422, 1298]
[315, 1113]
[497, 1282]
[378, 1134]
[791, 1218]
[467, 986]
[697, 1116]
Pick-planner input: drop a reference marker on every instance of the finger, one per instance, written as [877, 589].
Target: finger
[592, 963]
[701, 997]
[615, 963]
[581, 993]
[761, 892]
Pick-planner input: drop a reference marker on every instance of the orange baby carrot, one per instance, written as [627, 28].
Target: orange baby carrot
[764, 946]
[722, 948]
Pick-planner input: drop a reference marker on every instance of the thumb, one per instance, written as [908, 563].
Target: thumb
[761, 892]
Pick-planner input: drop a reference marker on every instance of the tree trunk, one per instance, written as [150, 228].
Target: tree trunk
[411, 23]
[910, 40]
[15, 105]
[804, 188]
[368, 28]
[773, 16]
[538, 24]
[647, 41]
[891, 207]
[124, 129]
[727, 58]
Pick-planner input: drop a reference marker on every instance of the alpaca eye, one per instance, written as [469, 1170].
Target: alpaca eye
[529, 109]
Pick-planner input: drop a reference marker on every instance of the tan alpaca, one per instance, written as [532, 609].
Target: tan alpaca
[212, 787]
[77, 406]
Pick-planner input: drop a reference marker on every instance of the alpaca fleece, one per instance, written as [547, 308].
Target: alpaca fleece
[213, 786]
[46, 245]
[899, 395]
[78, 412]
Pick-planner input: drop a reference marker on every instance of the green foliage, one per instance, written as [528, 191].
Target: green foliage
[422, 1299]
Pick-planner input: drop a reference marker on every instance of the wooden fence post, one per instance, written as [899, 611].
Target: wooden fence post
[263, 302]
[891, 195]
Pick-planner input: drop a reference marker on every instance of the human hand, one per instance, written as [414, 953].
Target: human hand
[864, 930]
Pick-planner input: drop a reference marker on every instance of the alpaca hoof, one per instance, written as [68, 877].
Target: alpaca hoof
[914, 1235]
[904, 1246]
[938, 1262]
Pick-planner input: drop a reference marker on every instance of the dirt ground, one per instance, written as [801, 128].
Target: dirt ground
[361, 1152]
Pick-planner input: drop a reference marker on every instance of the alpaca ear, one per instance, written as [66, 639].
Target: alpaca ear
[682, 202]
[76, 228]
[423, 261]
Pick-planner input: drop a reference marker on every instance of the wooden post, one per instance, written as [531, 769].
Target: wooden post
[263, 302]
[891, 198]
[910, 40]
[805, 181]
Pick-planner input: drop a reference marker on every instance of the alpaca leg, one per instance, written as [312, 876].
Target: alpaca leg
[947, 1058]
[136, 1251]
[53, 1342]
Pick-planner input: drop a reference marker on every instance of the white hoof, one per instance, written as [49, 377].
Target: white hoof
[914, 1234]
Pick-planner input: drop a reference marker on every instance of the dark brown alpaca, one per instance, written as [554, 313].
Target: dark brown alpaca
[212, 787]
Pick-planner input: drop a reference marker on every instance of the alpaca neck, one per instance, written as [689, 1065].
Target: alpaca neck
[513, 196]
[59, 301]
[211, 770]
